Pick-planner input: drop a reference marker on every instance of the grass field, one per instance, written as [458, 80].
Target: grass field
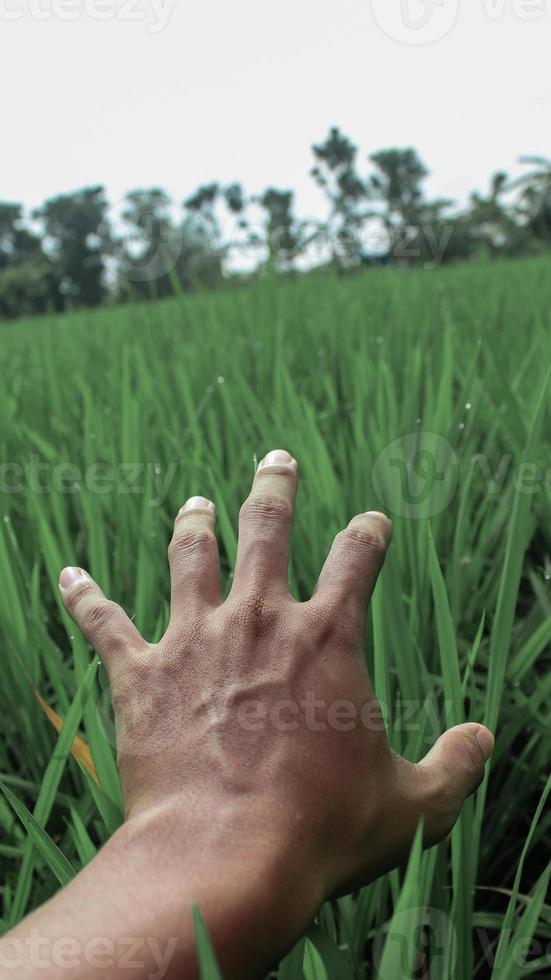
[338, 371]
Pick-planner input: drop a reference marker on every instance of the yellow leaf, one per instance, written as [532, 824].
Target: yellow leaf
[79, 748]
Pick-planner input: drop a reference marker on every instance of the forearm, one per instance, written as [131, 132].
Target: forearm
[128, 914]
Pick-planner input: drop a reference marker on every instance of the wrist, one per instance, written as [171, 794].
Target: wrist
[246, 866]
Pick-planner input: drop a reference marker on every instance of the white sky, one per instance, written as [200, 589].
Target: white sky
[239, 91]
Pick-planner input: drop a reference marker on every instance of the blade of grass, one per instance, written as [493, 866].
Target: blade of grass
[208, 963]
[55, 859]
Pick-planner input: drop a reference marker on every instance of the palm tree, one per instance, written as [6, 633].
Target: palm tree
[536, 196]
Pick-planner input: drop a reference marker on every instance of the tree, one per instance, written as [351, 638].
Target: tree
[202, 204]
[17, 243]
[282, 231]
[234, 198]
[199, 265]
[236, 206]
[29, 287]
[398, 181]
[490, 224]
[146, 244]
[397, 184]
[77, 238]
[336, 174]
[28, 280]
[160, 252]
[536, 197]
[205, 207]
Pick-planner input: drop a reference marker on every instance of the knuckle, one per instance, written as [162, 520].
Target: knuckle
[265, 509]
[190, 541]
[365, 539]
[126, 677]
[346, 625]
[78, 593]
[319, 619]
[332, 619]
[442, 797]
[99, 615]
[440, 808]
[186, 634]
[472, 758]
[252, 614]
[329, 619]
[446, 790]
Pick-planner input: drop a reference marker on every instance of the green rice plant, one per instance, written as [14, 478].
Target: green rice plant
[425, 394]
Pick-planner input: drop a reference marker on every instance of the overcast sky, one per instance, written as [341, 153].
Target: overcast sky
[212, 90]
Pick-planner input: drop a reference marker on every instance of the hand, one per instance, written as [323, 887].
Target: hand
[251, 729]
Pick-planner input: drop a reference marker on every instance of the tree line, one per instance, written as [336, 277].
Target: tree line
[78, 251]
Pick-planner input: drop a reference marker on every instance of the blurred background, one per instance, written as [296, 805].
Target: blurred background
[150, 147]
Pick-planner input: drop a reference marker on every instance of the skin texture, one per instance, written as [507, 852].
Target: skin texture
[256, 773]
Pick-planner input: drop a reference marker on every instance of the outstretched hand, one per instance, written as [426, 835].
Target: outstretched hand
[253, 726]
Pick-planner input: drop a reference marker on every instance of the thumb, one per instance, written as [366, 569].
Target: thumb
[449, 773]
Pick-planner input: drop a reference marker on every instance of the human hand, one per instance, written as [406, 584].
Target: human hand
[252, 728]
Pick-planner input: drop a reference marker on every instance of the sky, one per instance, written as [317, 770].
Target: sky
[175, 94]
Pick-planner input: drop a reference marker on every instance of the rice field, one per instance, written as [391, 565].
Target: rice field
[425, 394]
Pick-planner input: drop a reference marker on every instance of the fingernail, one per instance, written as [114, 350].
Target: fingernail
[194, 503]
[486, 741]
[69, 576]
[276, 457]
[383, 523]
